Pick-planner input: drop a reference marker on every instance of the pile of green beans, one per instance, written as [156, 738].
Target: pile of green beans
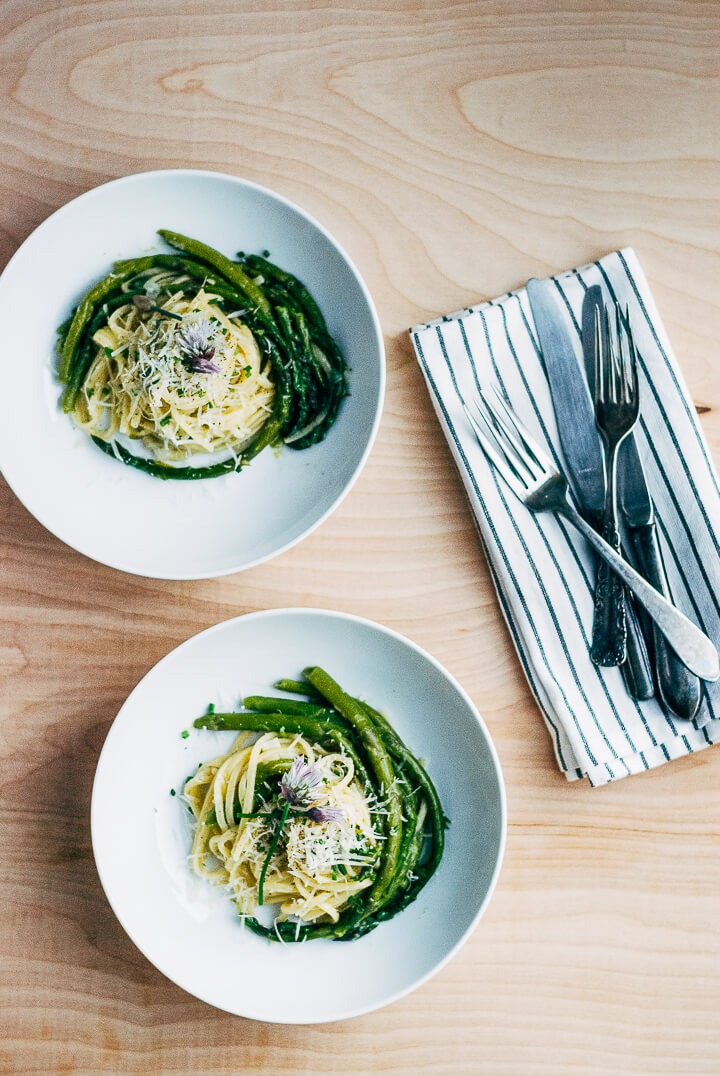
[308, 367]
[412, 823]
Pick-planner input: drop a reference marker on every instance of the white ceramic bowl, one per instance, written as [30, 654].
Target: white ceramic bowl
[113, 513]
[190, 929]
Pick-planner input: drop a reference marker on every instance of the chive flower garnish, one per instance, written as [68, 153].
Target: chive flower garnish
[325, 814]
[300, 787]
[198, 349]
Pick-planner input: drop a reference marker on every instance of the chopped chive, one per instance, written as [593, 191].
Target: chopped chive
[172, 792]
[164, 421]
[184, 734]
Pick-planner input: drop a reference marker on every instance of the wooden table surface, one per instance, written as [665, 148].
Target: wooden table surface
[454, 149]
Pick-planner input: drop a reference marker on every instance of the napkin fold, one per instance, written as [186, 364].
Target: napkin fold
[542, 568]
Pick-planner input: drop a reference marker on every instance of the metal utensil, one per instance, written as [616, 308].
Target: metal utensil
[583, 455]
[617, 405]
[679, 691]
[535, 481]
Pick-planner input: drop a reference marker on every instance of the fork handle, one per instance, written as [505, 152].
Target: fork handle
[609, 634]
[681, 692]
[637, 670]
[693, 647]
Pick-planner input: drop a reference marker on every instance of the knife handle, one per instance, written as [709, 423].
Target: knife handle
[680, 690]
[637, 670]
[609, 636]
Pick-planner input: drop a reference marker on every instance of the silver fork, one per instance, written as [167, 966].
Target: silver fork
[533, 478]
[617, 402]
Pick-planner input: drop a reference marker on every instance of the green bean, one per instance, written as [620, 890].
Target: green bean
[268, 705]
[380, 761]
[437, 818]
[407, 854]
[85, 353]
[302, 392]
[83, 315]
[164, 470]
[289, 725]
[82, 361]
[227, 268]
[191, 268]
[271, 768]
[297, 687]
[305, 300]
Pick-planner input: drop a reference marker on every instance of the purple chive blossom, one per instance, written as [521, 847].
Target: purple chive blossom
[325, 814]
[299, 785]
[195, 341]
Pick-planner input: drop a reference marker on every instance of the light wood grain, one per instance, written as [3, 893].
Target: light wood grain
[455, 149]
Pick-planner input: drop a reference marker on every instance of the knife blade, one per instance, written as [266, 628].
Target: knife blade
[679, 690]
[573, 406]
[582, 450]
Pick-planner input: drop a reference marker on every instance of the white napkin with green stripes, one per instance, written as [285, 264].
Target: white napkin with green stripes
[542, 568]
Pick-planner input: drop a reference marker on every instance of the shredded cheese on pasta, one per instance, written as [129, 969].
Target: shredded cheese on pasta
[317, 867]
[141, 386]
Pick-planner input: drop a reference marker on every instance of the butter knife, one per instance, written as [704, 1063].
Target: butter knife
[679, 689]
[582, 451]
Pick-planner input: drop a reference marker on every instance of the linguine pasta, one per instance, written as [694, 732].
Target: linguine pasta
[142, 383]
[194, 355]
[319, 808]
[318, 866]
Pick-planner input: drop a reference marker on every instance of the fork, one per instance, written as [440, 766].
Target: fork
[541, 487]
[616, 412]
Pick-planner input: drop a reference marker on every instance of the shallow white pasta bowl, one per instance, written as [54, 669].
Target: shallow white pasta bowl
[141, 833]
[120, 516]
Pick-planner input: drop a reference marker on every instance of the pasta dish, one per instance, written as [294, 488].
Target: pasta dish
[183, 378]
[318, 809]
[192, 354]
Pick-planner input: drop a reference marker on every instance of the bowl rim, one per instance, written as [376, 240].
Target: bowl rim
[497, 769]
[378, 338]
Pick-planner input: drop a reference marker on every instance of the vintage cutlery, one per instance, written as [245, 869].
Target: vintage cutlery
[531, 475]
[617, 405]
[583, 455]
[679, 690]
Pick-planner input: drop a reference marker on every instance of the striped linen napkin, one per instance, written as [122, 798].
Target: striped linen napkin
[542, 568]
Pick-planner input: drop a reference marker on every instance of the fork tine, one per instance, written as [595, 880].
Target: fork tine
[490, 447]
[511, 449]
[633, 356]
[515, 458]
[519, 437]
[626, 394]
[613, 359]
[632, 361]
[622, 371]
